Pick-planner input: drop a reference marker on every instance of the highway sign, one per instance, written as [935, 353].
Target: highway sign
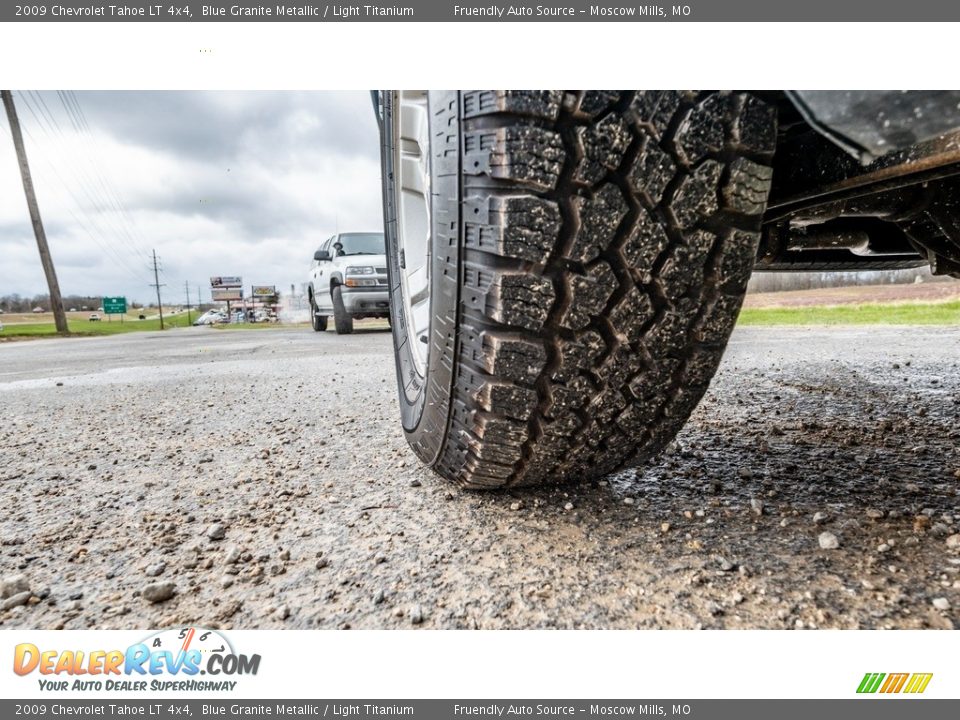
[114, 305]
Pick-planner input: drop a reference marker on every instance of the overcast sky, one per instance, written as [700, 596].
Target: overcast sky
[219, 183]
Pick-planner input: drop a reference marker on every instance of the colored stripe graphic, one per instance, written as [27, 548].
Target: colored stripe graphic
[918, 682]
[870, 682]
[894, 683]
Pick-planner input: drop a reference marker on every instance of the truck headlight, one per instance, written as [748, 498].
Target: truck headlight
[358, 270]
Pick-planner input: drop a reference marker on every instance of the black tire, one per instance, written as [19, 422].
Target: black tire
[319, 322]
[342, 321]
[590, 254]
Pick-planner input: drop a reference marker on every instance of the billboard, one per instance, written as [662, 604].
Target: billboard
[264, 291]
[226, 294]
[226, 281]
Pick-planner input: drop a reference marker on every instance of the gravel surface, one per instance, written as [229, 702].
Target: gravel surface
[261, 479]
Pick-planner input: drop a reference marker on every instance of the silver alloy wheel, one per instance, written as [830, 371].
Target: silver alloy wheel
[412, 165]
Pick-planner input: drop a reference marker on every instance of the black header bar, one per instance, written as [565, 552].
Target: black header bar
[480, 11]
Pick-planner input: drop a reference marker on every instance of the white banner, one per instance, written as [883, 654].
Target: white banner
[486, 664]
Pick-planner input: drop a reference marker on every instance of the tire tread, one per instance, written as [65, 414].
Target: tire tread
[608, 237]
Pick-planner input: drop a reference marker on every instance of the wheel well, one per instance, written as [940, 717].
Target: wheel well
[829, 211]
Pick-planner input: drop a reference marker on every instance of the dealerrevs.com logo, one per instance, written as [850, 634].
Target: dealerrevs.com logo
[169, 660]
[892, 683]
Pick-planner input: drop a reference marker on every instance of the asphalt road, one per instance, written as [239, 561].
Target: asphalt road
[260, 479]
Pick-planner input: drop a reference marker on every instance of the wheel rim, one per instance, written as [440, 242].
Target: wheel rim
[411, 149]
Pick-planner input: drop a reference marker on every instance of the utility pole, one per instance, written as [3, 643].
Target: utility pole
[157, 285]
[199, 300]
[56, 303]
[186, 289]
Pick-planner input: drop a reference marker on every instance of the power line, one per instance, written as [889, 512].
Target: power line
[124, 220]
[68, 157]
[107, 249]
[70, 101]
[64, 155]
[49, 128]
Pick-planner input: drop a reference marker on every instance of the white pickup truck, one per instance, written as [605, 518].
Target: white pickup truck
[348, 279]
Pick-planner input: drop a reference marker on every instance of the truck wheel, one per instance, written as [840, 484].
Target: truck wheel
[342, 321]
[565, 269]
[319, 322]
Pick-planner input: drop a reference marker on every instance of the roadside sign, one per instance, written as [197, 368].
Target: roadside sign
[261, 291]
[115, 305]
[226, 281]
[226, 294]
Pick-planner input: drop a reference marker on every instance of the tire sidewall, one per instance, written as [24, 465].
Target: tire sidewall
[425, 400]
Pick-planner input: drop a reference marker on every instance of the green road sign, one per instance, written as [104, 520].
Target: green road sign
[114, 305]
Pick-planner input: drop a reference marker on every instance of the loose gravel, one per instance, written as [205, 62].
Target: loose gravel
[260, 479]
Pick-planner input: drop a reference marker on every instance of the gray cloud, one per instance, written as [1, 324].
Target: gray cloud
[217, 182]
[204, 125]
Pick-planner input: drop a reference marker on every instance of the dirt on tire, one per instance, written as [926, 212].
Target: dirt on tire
[607, 239]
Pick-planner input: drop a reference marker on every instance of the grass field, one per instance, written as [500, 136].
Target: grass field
[901, 313]
[82, 326]
[940, 313]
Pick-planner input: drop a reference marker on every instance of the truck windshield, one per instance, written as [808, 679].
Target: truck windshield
[362, 244]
